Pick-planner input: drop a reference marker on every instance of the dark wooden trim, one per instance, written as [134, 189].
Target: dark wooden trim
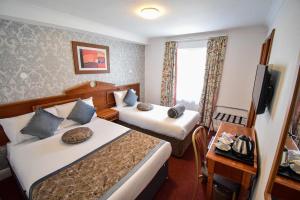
[102, 95]
[282, 139]
[251, 116]
[270, 44]
[264, 60]
[75, 44]
[266, 49]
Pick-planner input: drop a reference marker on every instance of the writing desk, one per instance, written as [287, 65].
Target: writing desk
[232, 169]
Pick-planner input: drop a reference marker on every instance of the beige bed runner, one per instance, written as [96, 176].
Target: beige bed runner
[101, 172]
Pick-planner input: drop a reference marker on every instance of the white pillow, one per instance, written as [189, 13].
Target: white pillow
[64, 110]
[13, 125]
[119, 98]
[89, 101]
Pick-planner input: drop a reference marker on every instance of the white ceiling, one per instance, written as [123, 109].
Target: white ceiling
[179, 16]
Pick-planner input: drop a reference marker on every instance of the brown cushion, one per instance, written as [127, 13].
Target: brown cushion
[144, 106]
[77, 135]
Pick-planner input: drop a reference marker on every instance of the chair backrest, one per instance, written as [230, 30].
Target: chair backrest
[199, 140]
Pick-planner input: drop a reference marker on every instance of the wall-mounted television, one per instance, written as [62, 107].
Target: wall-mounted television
[263, 89]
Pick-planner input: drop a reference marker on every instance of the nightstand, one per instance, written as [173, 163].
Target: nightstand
[108, 114]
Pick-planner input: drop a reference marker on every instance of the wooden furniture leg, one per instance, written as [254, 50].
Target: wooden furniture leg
[210, 177]
[245, 185]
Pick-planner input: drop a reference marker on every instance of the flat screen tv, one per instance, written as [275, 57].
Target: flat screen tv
[263, 90]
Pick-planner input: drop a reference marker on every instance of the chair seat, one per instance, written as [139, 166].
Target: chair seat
[221, 180]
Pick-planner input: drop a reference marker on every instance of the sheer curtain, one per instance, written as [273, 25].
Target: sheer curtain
[191, 58]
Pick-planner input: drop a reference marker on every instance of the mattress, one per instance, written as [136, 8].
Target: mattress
[33, 160]
[157, 120]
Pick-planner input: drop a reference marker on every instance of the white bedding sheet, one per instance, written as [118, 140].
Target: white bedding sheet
[33, 160]
[157, 120]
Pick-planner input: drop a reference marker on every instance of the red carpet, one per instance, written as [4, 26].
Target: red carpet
[181, 179]
[179, 185]
[9, 190]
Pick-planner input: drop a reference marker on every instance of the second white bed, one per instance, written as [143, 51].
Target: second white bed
[157, 120]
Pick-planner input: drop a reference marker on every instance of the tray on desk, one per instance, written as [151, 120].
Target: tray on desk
[230, 154]
[288, 173]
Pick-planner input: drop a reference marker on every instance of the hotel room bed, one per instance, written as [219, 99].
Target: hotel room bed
[33, 161]
[157, 123]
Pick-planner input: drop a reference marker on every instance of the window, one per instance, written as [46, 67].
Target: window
[191, 58]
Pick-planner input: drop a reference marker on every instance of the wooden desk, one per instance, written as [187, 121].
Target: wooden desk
[234, 170]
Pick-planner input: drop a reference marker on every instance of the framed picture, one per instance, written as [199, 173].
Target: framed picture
[90, 58]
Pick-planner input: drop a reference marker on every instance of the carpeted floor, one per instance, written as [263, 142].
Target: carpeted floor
[9, 190]
[181, 179]
[179, 185]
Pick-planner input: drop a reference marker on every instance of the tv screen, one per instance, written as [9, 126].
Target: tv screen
[261, 90]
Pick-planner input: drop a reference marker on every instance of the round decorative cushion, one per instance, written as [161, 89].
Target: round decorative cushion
[144, 106]
[77, 135]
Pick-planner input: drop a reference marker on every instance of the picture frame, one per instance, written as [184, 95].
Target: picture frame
[90, 58]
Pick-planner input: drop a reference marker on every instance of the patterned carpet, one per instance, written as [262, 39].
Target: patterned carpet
[178, 186]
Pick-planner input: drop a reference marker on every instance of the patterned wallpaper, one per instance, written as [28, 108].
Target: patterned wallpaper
[37, 61]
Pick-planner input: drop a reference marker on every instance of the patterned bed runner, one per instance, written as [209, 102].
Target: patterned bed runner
[101, 172]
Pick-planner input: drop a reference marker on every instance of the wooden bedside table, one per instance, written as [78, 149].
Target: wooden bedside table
[108, 114]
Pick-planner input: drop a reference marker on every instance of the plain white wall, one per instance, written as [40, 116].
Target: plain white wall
[154, 55]
[285, 59]
[242, 57]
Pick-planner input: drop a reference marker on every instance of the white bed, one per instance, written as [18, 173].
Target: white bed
[157, 120]
[34, 159]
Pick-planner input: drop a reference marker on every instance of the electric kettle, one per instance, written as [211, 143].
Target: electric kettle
[243, 146]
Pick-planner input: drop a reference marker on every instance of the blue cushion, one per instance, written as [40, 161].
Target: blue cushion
[130, 98]
[82, 112]
[43, 124]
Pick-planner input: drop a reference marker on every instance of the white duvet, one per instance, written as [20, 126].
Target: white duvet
[33, 160]
[157, 120]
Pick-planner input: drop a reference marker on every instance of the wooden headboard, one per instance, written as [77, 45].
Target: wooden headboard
[101, 92]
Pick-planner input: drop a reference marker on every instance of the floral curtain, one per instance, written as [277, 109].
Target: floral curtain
[168, 84]
[216, 48]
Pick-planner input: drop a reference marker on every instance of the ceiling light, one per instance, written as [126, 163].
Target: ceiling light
[149, 13]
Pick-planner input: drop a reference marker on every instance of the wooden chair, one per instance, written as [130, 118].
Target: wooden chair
[200, 144]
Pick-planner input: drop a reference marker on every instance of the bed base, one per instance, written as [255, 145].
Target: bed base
[153, 187]
[178, 146]
[22, 192]
[147, 194]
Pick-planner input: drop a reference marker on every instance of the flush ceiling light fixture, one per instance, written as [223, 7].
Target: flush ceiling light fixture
[149, 13]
